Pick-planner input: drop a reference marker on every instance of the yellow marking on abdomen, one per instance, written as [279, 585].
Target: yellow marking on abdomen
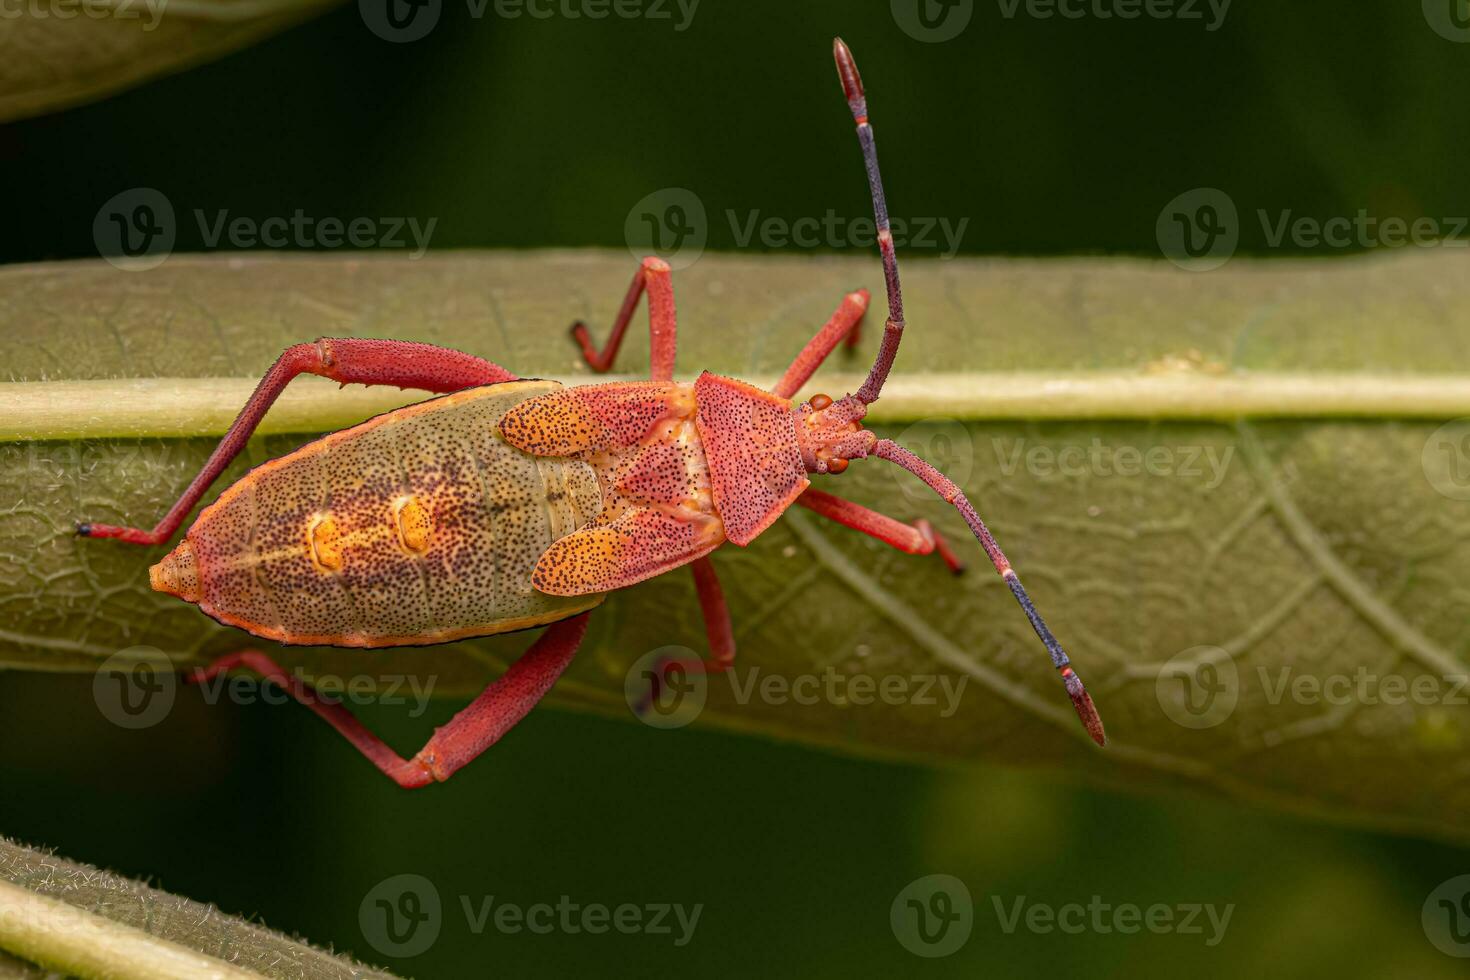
[413, 523]
[325, 544]
[474, 541]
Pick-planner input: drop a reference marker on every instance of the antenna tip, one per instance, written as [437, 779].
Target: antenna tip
[852, 82]
[1086, 710]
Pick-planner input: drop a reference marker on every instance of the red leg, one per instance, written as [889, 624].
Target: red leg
[654, 276]
[350, 361]
[717, 624]
[844, 323]
[918, 538]
[469, 733]
[717, 628]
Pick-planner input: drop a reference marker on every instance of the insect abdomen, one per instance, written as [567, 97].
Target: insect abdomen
[418, 526]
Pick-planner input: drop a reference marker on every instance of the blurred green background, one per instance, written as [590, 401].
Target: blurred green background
[1052, 136]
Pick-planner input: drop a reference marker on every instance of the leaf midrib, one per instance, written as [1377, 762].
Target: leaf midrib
[181, 407]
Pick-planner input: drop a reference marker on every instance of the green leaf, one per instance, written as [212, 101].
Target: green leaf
[89, 923]
[1236, 479]
[52, 62]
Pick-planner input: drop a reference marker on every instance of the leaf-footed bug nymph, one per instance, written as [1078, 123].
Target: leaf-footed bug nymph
[507, 504]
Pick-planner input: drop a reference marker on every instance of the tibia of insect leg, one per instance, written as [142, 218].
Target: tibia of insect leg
[130, 535]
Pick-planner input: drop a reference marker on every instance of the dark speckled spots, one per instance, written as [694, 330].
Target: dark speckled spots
[754, 462]
[418, 526]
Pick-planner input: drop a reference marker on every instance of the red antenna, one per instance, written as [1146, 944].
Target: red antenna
[852, 87]
[946, 488]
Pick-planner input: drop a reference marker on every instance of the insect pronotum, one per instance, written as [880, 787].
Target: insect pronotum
[507, 504]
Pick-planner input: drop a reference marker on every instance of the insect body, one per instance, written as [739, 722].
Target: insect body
[418, 526]
[509, 503]
[684, 467]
